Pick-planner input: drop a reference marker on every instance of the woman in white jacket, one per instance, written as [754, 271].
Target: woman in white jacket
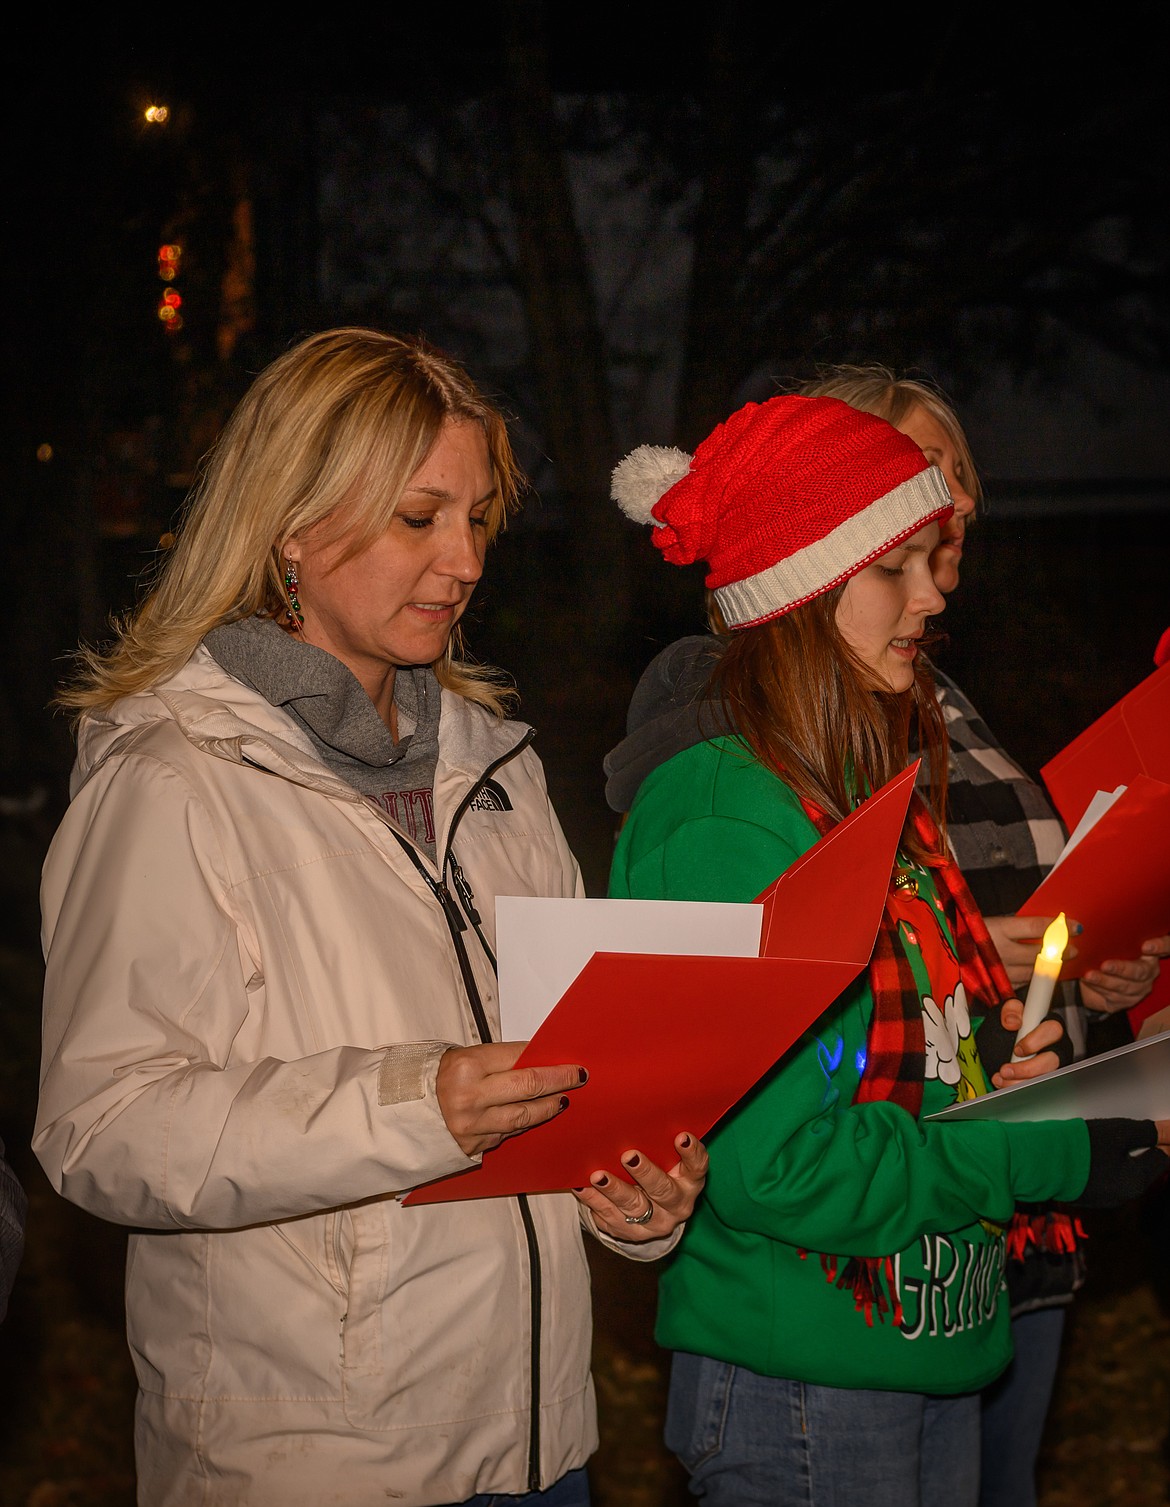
[270, 1003]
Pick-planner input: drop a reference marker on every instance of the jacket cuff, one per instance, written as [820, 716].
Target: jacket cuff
[632, 1250]
[408, 1071]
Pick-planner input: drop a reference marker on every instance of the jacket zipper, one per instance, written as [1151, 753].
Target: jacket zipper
[457, 926]
[458, 878]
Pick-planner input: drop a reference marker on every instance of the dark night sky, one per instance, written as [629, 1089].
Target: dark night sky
[81, 172]
[85, 182]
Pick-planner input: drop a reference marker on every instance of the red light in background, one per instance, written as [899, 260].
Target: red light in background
[168, 311]
[169, 258]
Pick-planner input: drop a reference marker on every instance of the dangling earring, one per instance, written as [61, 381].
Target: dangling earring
[291, 582]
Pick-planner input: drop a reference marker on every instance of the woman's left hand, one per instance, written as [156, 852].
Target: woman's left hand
[657, 1202]
[1036, 1047]
[1122, 983]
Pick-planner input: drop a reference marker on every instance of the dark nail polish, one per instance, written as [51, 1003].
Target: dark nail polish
[634, 1161]
[582, 1075]
[564, 1101]
[578, 1190]
[685, 1143]
[601, 1182]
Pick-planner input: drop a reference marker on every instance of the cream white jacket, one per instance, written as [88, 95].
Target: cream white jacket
[248, 982]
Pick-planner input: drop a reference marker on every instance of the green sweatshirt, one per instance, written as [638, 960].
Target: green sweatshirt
[798, 1171]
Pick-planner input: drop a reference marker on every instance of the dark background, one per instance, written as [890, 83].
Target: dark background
[627, 220]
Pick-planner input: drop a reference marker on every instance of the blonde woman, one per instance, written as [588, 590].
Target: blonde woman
[270, 1002]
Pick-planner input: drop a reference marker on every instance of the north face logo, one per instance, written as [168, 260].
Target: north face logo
[490, 797]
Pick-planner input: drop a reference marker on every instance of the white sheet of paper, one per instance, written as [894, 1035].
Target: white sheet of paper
[1131, 1082]
[1094, 811]
[542, 945]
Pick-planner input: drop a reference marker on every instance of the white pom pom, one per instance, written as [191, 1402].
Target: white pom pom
[644, 476]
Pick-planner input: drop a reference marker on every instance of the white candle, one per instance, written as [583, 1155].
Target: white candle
[1044, 977]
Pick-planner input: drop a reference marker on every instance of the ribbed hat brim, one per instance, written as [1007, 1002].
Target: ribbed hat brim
[850, 547]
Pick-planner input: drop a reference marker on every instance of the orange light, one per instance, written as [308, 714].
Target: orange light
[1044, 976]
[1052, 948]
[157, 115]
[44, 453]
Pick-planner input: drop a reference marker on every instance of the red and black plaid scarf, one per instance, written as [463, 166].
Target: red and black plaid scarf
[895, 1061]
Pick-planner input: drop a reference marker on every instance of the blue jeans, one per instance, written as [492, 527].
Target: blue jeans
[1014, 1410]
[757, 1441]
[570, 1491]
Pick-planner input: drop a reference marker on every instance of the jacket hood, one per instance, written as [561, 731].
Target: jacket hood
[670, 710]
[227, 718]
[201, 697]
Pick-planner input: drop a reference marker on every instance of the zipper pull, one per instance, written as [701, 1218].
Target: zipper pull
[463, 890]
[453, 913]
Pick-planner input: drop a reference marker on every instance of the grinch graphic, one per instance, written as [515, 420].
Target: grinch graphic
[951, 1054]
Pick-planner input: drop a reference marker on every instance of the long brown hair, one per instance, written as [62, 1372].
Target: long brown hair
[332, 430]
[807, 708]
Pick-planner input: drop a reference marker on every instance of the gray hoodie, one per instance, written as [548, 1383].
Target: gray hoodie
[670, 710]
[348, 734]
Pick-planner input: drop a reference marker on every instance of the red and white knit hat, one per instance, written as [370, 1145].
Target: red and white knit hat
[783, 501]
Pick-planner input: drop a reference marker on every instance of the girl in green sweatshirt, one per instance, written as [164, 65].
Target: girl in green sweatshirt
[836, 1302]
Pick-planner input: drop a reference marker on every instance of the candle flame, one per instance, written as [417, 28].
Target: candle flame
[1055, 940]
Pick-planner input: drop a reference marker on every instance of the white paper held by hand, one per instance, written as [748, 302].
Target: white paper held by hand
[542, 945]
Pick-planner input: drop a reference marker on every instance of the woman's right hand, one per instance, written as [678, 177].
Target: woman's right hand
[484, 1097]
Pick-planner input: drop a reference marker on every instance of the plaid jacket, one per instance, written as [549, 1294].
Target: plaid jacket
[1000, 826]
[1006, 836]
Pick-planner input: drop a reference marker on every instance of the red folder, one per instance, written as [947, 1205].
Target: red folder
[1116, 881]
[671, 1043]
[1132, 738]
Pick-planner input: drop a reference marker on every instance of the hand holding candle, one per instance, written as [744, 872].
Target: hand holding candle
[1044, 976]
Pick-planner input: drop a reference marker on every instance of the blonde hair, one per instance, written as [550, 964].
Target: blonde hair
[332, 430]
[878, 390]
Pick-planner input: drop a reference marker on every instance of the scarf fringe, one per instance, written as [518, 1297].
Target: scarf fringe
[870, 1279]
[1052, 1232]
